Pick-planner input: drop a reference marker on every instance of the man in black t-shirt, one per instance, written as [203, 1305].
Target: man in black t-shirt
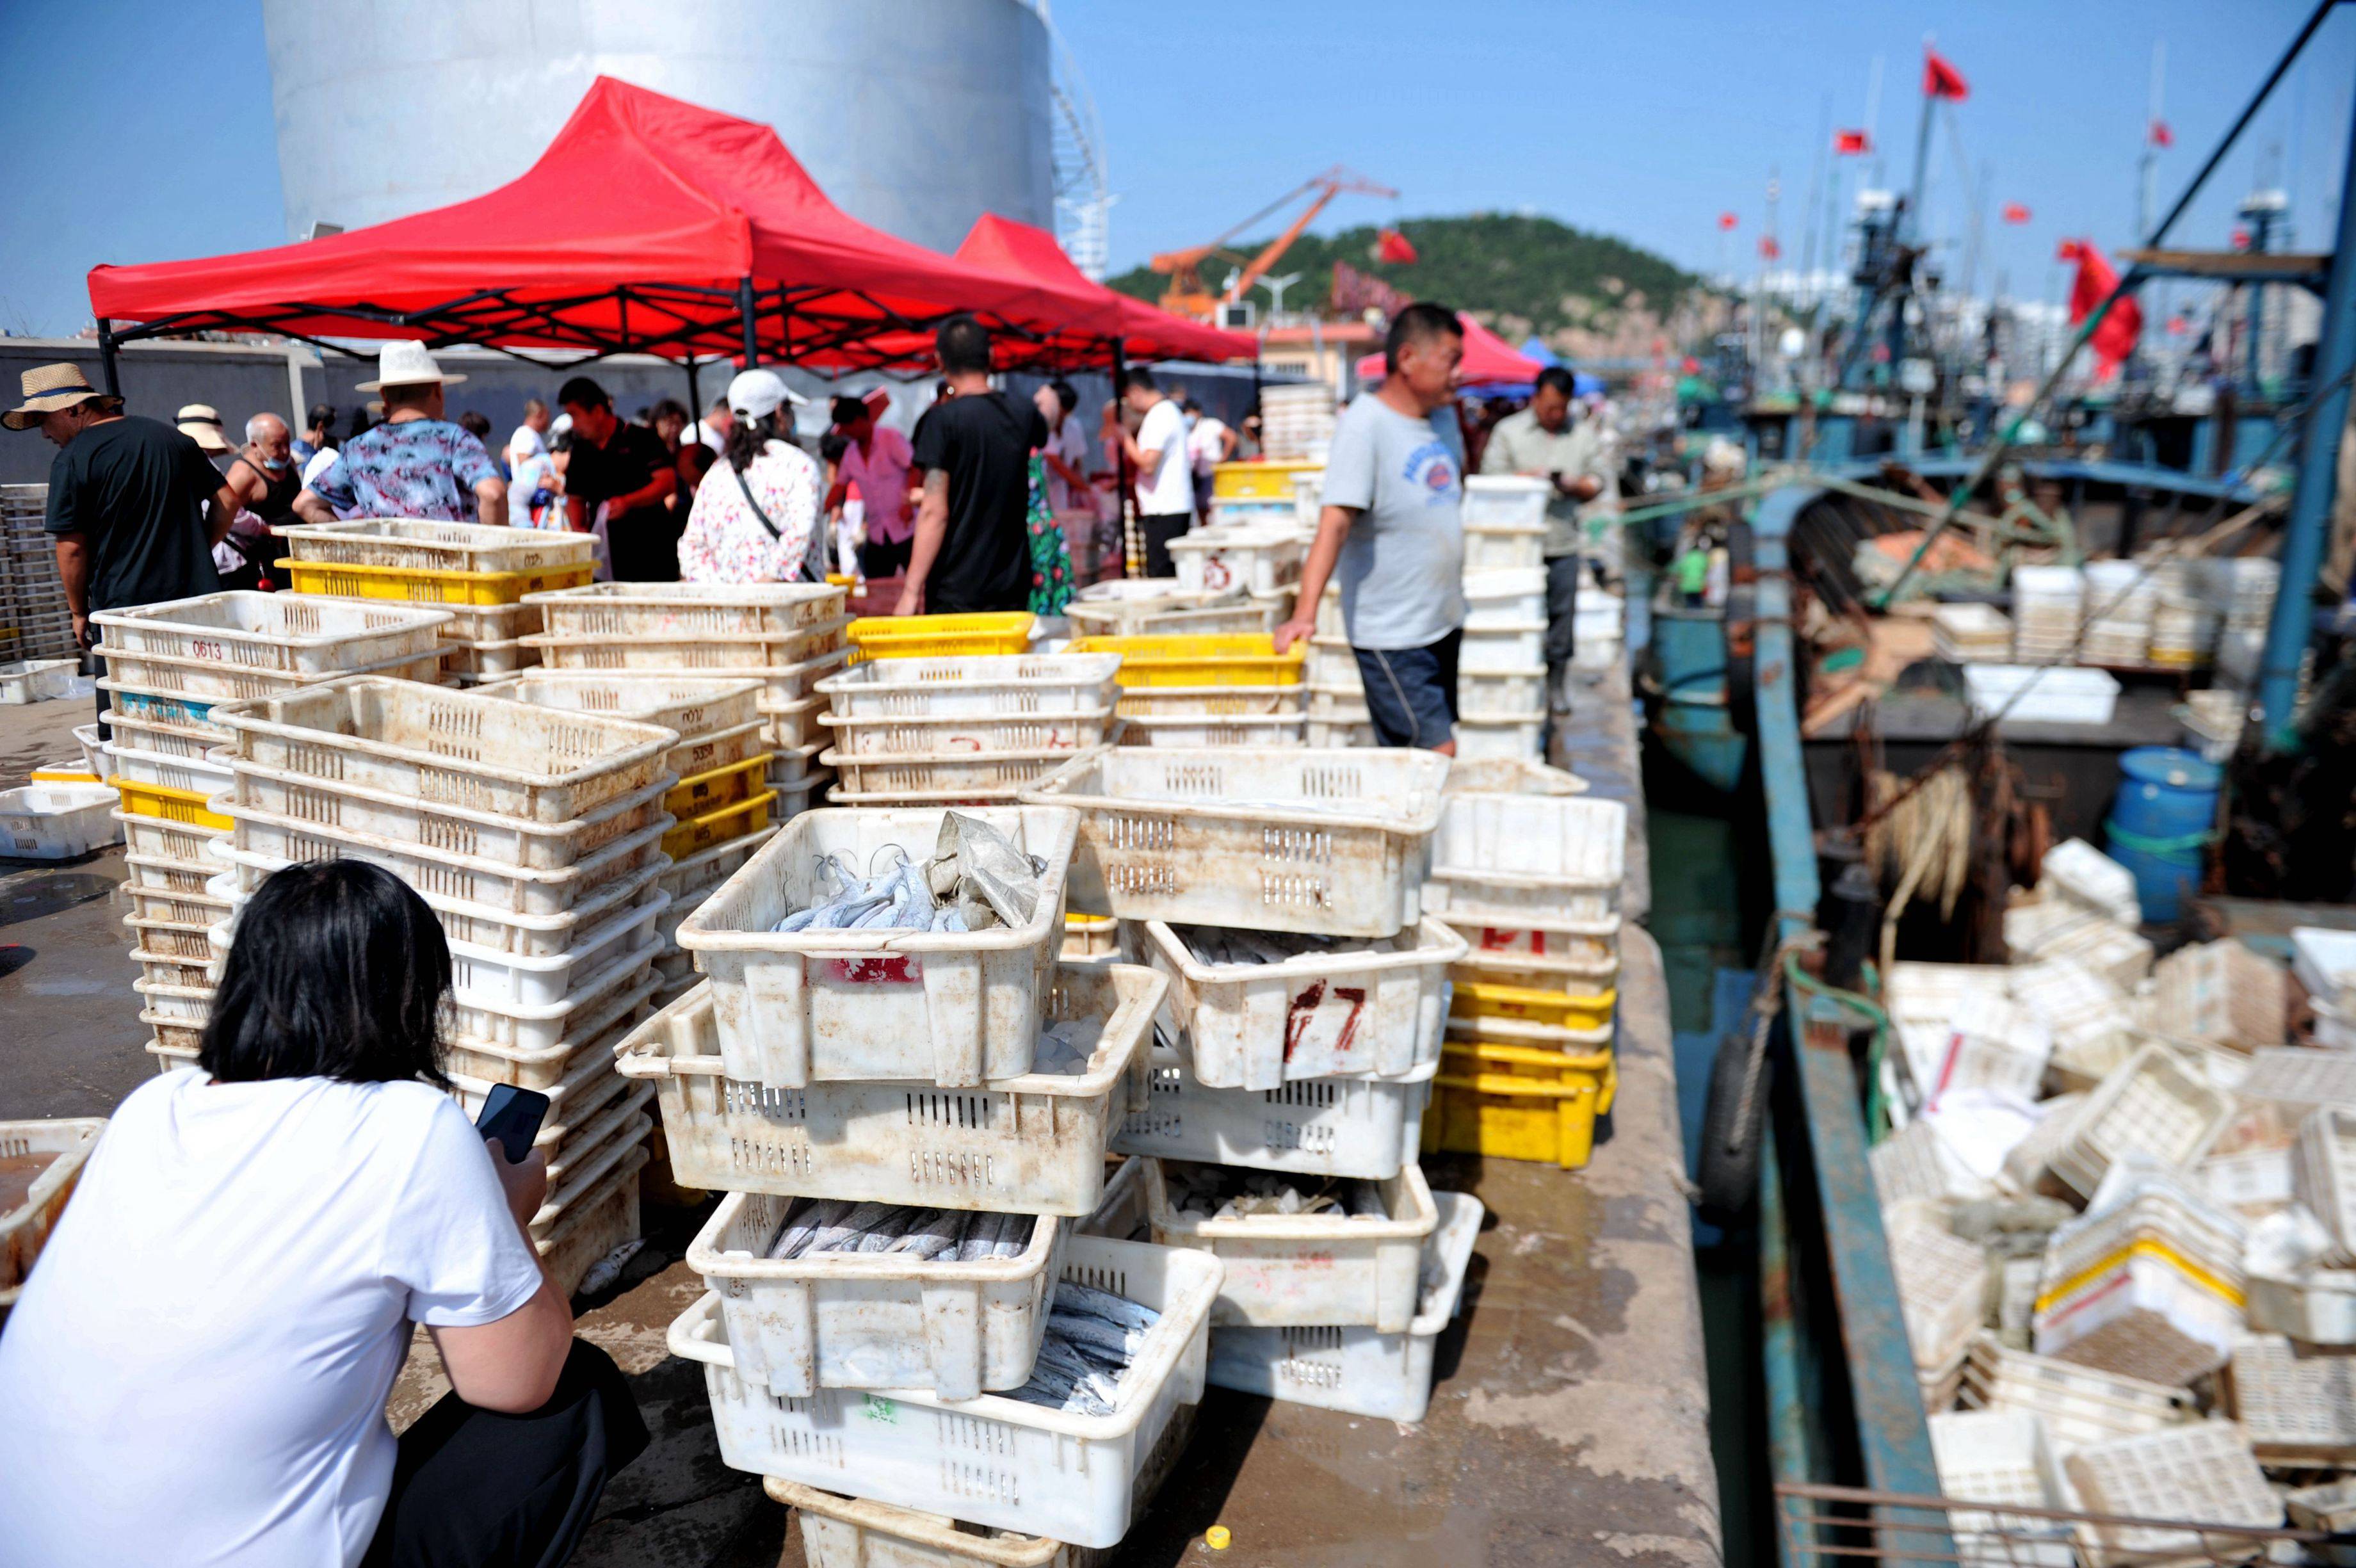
[134, 506]
[629, 469]
[973, 543]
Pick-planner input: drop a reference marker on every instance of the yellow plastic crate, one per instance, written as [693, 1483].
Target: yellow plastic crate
[185, 807]
[939, 637]
[1258, 479]
[1510, 1103]
[423, 586]
[63, 776]
[700, 793]
[749, 816]
[1561, 1010]
[1227, 659]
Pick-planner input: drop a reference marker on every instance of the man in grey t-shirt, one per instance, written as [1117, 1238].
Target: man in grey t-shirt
[1393, 526]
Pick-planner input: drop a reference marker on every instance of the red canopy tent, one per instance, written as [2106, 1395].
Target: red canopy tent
[649, 226]
[1146, 332]
[1488, 359]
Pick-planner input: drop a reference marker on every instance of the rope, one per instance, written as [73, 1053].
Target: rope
[1921, 835]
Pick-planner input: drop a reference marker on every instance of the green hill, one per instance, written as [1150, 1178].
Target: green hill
[1530, 273]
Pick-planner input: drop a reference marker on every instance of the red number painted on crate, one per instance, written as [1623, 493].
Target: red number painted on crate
[897, 968]
[1303, 1010]
[206, 647]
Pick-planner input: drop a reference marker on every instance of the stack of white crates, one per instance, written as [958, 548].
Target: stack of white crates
[2122, 597]
[535, 836]
[1296, 422]
[2048, 606]
[882, 1391]
[786, 636]
[168, 666]
[1318, 1065]
[476, 576]
[1501, 694]
[1337, 690]
[964, 730]
[2242, 589]
[39, 622]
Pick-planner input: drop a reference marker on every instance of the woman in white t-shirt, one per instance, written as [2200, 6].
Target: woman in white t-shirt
[755, 517]
[198, 1369]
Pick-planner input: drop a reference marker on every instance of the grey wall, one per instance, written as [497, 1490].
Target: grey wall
[916, 115]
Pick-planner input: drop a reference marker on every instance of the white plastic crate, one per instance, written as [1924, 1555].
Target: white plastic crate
[2151, 1288]
[593, 1031]
[420, 545]
[1942, 1288]
[790, 727]
[181, 844]
[818, 640]
[1334, 733]
[1503, 645]
[2314, 1305]
[955, 1008]
[2003, 1457]
[290, 633]
[990, 1460]
[1314, 1126]
[1032, 1143]
[1511, 859]
[1233, 731]
[86, 737]
[2078, 1405]
[337, 810]
[1517, 775]
[473, 623]
[179, 741]
[2043, 927]
[666, 612]
[68, 1140]
[2203, 1472]
[467, 665]
[1286, 1269]
[2154, 1103]
[1241, 558]
[191, 774]
[1373, 1013]
[2325, 961]
[446, 748]
[968, 775]
[2295, 1409]
[1352, 1368]
[1318, 841]
[1215, 701]
[1499, 695]
[57, 821]
[841, 1320]
[1505, 522]
[978, 686]
[1332, 665]
[38, 680]
[601, 1217]
[2300, 1077]
[2085, 875]
[157, 873]
[1500, 738]
[691, 878]
[1126, 606]
[1576, 946]
[2324, 1172]
[782, 685]
[1504, 600]
[922, 737]
[209, 681]
[2046, 694]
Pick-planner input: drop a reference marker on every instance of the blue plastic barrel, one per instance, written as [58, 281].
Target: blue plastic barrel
[2168, 792]
[2165, 870]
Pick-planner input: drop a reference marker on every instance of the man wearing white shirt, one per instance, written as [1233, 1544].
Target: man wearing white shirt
[1165, 476]
[1209, 443]
[531, 437]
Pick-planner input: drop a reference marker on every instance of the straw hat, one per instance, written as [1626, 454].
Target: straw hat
[200, 424]
[48, 388]
[405, 363]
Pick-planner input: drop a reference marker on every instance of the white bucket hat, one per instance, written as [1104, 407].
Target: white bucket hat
[405, 363]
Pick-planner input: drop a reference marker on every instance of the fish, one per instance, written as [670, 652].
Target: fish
[795, 1236]
[1073, 1296]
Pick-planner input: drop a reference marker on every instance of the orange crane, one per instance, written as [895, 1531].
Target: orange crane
[1187, 295]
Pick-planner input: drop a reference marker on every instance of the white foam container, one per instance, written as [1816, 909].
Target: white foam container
[840, 1320]
[1032, 1143]
[1254, 1025]
[290, 633]
[1513, 860]
[1311, 1126]
[1286, 1269]
[1319, 842]
[57, 821]
[1352, 1368]
[954, 1008]
[2054, 694]
[989, 1460]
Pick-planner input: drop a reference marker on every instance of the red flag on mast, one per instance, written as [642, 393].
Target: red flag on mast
[2161, 136]
[2115, 339]
[1851, 144]
[2014, 213]
[1392, 246]
[1940, 80]
[1768, 249]
[1728, 220]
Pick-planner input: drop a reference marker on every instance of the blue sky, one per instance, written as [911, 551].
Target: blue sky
[142, 129]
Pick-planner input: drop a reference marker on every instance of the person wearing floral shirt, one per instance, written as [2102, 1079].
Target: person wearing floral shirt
[755, 517]
[416, 464]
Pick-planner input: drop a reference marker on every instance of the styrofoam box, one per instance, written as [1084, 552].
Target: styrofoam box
[1375, 1013]
[1032, 1143]
[1286, 1269]
[286, 632]
[1518, 859]
[1312, 1126]
[1352, 1368]
[978, 686]
[38, 680]
[1490, 738]
[885, 1320]
[2047, 695]
[338, 809]
[1320, 842]
[954, 1008]
[57, 821]
[1507, 645]
[989, 1460]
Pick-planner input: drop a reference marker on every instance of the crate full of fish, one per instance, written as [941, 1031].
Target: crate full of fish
[1034, 1144]
[1298, 1250]
[1356, 1369]
[1361, 1127]
[1256, 1009]
[1061, 1457]
[826, 1292]
[1274, 839]
[911, 945]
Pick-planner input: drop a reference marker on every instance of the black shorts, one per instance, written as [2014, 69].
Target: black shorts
[1411, 691]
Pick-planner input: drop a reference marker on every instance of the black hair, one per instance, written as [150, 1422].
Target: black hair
[830, 446]
[338, 970]
[673, 408]
[1136, 376]
[848, 409]
[583, 392]
[1191, 406]
[476, 423]
[1418, 323]
[1066, 393]
[1556, 377]
[322, 414]
[963, 344]
[748, 438]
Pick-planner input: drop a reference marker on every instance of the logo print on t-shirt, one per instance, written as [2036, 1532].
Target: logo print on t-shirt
[1433, 466]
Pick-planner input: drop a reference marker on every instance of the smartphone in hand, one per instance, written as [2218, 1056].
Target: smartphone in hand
[513, 1116]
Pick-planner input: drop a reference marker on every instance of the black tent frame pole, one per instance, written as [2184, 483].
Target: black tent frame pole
[747, 319]
[695, 398]
[1131, 544]
[106, 357]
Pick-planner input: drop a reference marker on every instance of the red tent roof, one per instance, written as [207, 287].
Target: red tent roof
[1146, 331]
[1487, 358]
[632, 233]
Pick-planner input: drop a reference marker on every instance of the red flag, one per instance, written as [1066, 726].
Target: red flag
[2241, 238]
[2014, 212]
[1391, 245]
[2067, 251]
[1728, 220]
[1768, 249]
[1940, 80]
[2115, 339]
[1851, 144]
[2161, 136]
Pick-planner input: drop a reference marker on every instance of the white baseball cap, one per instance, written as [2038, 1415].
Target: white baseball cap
[755, 395]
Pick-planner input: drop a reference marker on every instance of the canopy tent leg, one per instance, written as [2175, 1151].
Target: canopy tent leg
[106, 357]
[1132, 535]
[745, 318]
[695, 398]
